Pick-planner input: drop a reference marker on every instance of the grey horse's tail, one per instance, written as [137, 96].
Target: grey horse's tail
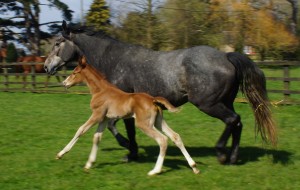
[253, 85]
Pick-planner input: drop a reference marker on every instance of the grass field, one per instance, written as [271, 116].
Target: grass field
[34, 127]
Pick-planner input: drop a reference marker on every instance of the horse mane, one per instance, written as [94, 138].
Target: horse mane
[89, 30]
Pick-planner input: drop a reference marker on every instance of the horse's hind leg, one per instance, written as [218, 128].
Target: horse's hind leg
[236, 137]
[96, 140]
[233, 127]
[175, 137]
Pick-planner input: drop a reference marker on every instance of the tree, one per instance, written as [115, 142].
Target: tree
[256, 26]
[24, 26]
[190, 23]
[98, 15]
[141, 26]
[12, 54]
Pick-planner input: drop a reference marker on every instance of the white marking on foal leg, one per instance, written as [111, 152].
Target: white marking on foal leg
[96, 140]
[175, 137]
[162, 141]
[86, 126]
[158, 165]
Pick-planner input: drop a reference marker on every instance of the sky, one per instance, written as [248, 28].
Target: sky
[52, 14]
[118, 8]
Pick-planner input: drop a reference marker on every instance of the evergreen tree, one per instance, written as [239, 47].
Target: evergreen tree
[12, 54]
[98, 15]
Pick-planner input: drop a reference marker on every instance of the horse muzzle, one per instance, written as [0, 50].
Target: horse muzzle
[53, 64]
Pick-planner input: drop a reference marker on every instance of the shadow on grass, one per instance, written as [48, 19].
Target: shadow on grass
[247, 154]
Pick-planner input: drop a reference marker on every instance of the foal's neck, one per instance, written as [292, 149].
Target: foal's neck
[95, 80]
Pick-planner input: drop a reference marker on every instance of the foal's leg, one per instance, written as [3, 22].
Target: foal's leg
[175, 137]
[86, 126]
[96, 140]
[147, 127]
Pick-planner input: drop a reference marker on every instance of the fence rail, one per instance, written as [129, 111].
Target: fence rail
[285, 78]
[13, 81]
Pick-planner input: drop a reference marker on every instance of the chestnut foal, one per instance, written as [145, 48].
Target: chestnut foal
[109, 102]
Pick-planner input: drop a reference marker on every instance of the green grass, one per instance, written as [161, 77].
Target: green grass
[34, 127]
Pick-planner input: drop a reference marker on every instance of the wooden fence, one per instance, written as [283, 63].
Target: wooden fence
[286, 79]
[11, 81]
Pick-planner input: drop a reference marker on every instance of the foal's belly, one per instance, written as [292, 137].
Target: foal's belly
[119, 116]
[119, 113]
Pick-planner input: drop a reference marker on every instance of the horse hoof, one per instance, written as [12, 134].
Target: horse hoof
[222, 159]
[233, 160]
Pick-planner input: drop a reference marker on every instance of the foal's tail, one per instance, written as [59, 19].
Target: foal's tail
[162, 102]
[253, 85]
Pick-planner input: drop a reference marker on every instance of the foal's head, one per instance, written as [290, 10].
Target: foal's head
[76, 76]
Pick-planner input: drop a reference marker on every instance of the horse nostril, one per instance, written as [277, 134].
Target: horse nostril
[46, 69]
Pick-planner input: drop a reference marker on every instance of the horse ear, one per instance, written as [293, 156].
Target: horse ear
[65, 30]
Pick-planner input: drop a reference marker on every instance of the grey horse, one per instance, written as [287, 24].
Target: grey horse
[202, 75]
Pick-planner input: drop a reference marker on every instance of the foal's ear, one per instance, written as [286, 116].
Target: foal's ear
[82, 62]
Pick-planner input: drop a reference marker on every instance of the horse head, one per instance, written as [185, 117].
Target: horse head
[63, 51]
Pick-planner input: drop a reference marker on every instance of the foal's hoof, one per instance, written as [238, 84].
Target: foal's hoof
[58, 157]
[195, 170]
[153, 172]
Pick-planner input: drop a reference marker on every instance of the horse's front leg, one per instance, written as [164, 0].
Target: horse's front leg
[86, 126]
[119, 137]
[133, 146]
[96, 140]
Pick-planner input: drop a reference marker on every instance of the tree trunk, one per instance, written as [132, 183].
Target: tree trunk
[149, 24]
[32, 26]
[294, 4]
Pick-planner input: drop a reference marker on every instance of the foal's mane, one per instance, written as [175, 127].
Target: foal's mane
[95, 72]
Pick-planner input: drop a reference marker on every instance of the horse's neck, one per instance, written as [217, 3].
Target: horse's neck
[92, 48]
[95, 81]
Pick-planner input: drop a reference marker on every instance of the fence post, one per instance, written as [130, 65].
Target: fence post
[286, 82]
[33, 76]
[5, 72]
